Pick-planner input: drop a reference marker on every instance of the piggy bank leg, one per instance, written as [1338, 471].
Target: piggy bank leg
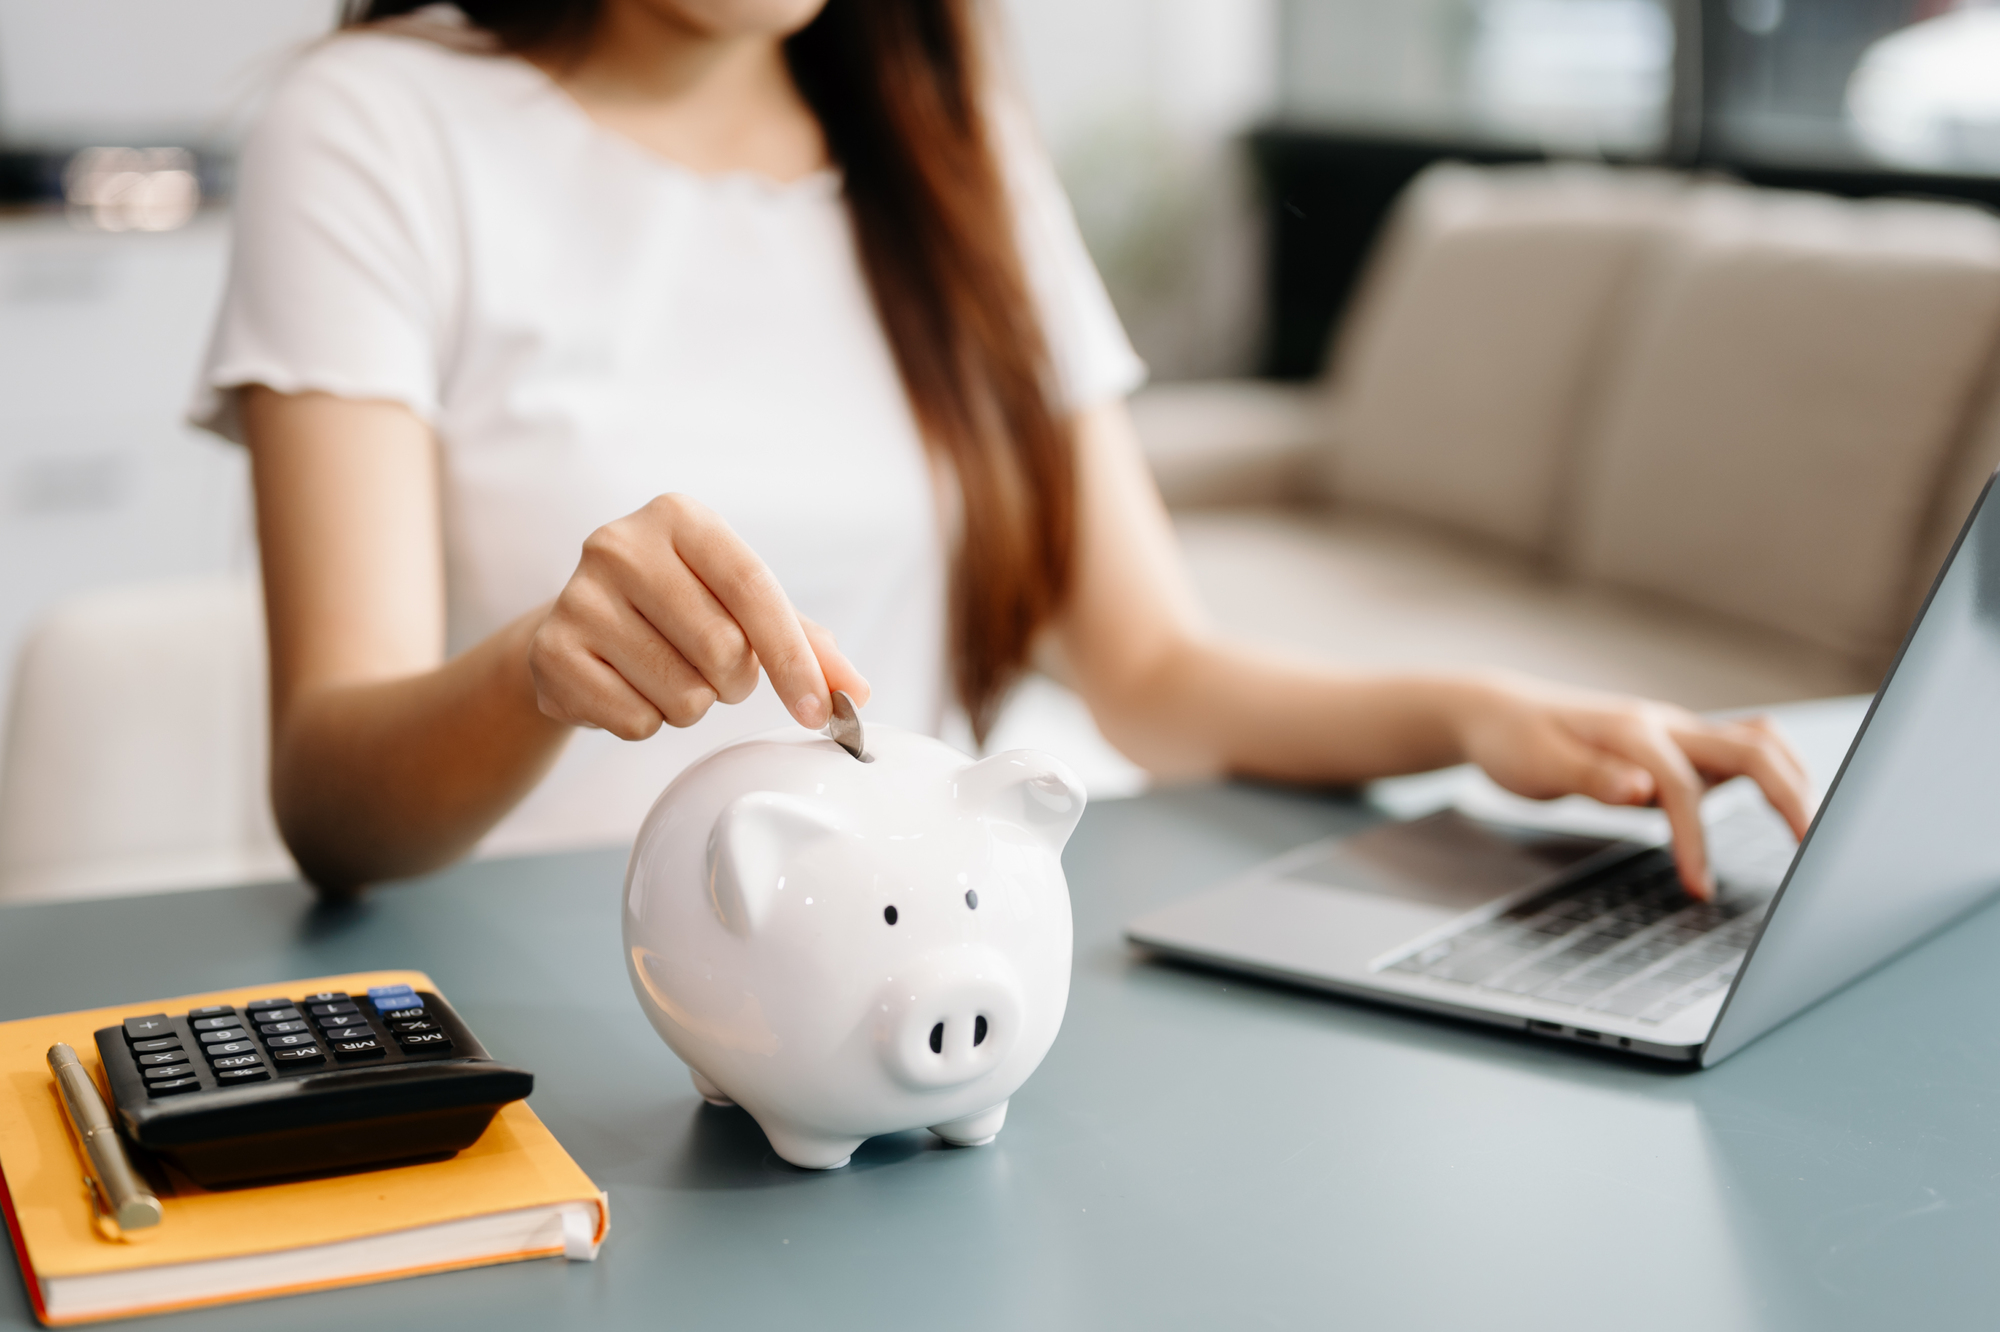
[709, 1091]
[973, 1130]
[808, 1150]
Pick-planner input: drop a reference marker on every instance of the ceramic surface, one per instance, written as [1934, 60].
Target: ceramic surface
[847, 948]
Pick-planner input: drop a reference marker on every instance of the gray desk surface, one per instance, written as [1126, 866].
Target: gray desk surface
[1197, 1152]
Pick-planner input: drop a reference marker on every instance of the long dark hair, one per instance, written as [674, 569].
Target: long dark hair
[900, 90]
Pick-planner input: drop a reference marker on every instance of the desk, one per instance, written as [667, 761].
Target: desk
[1197, 1152]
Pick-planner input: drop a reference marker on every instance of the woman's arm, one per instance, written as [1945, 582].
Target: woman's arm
[387, 759]
[1178, 700]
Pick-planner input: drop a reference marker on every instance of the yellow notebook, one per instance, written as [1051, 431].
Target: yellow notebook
[513, 1194]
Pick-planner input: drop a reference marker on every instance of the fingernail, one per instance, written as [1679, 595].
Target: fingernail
[810, 711]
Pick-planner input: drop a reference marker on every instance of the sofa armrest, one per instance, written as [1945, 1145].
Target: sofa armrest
[1233, 441]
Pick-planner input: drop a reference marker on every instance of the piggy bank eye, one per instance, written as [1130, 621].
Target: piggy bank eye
[972, 899]
[889, 914]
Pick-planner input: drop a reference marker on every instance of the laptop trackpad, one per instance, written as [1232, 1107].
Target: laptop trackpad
[1446, 860]
[1327, 910]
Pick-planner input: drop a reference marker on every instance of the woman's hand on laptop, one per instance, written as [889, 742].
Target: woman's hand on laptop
[1542, 741]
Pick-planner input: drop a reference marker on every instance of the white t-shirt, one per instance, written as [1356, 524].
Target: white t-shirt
[587, 325]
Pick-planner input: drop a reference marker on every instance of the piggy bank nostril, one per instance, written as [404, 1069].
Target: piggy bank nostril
[937, 1039]
[889, 914]
[979, 1029]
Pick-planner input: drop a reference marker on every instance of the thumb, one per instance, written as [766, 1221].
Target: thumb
[1613, 780]
[833, 663]
[1568, 766]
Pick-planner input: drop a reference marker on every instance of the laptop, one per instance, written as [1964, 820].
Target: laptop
[1587, 937]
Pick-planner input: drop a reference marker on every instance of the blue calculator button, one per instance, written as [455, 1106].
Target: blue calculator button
[375, 990]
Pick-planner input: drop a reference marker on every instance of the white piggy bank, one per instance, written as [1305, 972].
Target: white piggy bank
[847, 947]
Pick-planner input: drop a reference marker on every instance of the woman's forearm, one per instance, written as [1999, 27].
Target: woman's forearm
[1203, 707]
[388, 778]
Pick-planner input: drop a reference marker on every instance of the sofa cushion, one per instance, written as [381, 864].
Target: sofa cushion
[1231, 441]
[1796, 370]
[1381, 592]
[1972, 461]
[1460, 370]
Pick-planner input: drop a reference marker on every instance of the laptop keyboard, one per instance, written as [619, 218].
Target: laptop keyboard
[1633, 945]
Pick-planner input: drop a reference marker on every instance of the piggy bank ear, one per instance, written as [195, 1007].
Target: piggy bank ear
[1026, 787]
[751, 844]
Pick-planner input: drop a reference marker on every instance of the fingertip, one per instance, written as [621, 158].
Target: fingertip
[1627, 786]
[811, 711]
[1700, 884]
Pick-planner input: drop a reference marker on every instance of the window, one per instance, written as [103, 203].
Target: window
[1906, 85]
[1572, 76]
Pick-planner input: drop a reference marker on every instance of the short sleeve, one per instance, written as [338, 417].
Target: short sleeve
[339, 270]
[1093, 360]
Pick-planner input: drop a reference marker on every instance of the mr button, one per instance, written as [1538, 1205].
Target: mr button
[359, 1046]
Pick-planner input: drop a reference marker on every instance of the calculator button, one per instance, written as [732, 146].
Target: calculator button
[173, 1086]
[339, 1020]
[169, 1071]
[291, 1040]
[223, 1037]
[280, 1028]
[412, 1024]
[155, 1046]
[215, 1023]
[385, 991]
[363, 1047]
[261, 1005]
[229, 1077]
[402, 1014]
[213, 1010]
[146, 1028]
[229, 1048]
[235, 1061]
[303, 1054]
[424, 1040]
[164, 1057]
[286, 1014]
[327, 997]
[322, 1010]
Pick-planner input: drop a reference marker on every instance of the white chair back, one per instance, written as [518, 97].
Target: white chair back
[136, 751]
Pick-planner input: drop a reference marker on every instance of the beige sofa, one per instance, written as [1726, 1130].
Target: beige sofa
[1627, 428]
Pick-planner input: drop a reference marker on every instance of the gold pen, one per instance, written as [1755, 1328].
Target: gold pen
[120, 1196]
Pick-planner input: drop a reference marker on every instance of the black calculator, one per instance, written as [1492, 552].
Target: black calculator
[323, 1082]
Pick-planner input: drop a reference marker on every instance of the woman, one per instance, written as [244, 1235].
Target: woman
[787, 284]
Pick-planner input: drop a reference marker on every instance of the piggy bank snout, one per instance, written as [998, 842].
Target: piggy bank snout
[949, 1021]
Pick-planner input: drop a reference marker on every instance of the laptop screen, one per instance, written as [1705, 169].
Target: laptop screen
[1905, 840]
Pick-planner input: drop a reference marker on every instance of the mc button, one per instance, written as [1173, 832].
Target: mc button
[424, 1040]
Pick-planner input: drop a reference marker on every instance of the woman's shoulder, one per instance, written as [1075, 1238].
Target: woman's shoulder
[391, 69]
